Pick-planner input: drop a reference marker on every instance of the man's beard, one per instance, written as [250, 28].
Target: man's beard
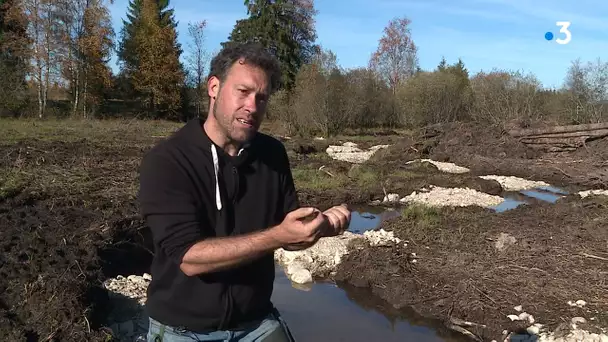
[225, 125]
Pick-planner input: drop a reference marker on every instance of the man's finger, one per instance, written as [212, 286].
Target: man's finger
[342, 209]
[305, 213]
[333, 219]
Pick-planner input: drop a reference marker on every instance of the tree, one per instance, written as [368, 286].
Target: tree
[14, 56]
[588, 89]
[396, 57]
[86, 43]
[96, 46]
[442, 65]
[285, 27]
[198, 60]
[159, 77]
[127, 47]
[43, 28]
[326, 60]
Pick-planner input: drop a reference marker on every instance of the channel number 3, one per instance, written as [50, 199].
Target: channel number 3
[564, 29]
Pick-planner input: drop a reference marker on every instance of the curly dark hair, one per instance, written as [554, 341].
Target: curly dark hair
[252, 53]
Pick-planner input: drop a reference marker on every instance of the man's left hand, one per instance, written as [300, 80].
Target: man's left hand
[339, 219]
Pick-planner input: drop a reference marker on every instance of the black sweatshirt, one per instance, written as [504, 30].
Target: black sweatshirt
[179, 201]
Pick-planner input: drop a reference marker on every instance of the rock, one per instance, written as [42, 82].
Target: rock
[349, 152]
[510, 183]
[443, 166]
[147, 277]
[596, 192]
[299, 275]
[380, 237]
[391, 198]
[513, 317]
[580, 303]
[503, 241]
[459, 197]
[533, 330]
[578, 320]
[519, 307]
[320, 259]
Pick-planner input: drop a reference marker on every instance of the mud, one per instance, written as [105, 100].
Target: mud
[459, 273]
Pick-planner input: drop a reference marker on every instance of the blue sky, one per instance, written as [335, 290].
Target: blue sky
[486, 34]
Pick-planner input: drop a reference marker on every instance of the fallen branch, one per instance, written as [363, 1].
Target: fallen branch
[594, 256]
[322, 168]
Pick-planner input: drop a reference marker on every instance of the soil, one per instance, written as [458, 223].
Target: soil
[69, 220]
[59, 242]
[459, 272]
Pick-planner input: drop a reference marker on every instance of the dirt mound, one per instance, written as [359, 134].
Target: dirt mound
[453, 141]
[460, 273]
[595, 148]
[457, 140]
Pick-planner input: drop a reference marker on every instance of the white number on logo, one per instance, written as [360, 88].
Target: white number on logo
[564, 29]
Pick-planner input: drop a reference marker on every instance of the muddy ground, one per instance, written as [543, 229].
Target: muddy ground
[69, 220]
[460, 273]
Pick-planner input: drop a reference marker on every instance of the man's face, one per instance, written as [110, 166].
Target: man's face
[240, 101]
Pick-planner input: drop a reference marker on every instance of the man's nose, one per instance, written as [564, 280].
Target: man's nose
[251, 104]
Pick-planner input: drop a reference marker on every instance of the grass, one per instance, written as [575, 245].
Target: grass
[313, 179]
[421, 216]
[12, 182]
[13, 130]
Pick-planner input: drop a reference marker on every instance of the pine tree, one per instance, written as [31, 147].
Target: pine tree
[159, 77]
[285, 27]
[127, 46]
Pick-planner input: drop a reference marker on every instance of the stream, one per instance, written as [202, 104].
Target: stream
[325, 312]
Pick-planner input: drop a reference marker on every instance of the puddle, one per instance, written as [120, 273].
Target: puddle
[543, 196]
[525, 197]
[364, 220]
[325, 312]
[508, 204]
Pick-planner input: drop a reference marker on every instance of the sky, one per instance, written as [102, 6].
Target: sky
[486, 34]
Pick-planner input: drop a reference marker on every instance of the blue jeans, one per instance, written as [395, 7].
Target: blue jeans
[271, 329]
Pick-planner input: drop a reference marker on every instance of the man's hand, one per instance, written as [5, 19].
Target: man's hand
[339, 219]
[303, 226]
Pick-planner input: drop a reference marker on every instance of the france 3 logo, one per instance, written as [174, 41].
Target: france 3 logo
[564, 28]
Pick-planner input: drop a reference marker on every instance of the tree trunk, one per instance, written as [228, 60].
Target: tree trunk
[558, 129]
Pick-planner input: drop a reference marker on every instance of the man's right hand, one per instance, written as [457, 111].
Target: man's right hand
[301, 226]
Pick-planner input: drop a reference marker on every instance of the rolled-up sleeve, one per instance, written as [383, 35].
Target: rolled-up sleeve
[168, 206]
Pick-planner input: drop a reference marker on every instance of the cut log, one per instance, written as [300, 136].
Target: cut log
[575, 141]
[558, 129]
[553, 147]
[590, 134]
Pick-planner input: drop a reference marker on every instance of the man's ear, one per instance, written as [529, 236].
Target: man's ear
[213, 86]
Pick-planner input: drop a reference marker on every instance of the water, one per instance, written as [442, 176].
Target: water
[543, 196]
[369, 219]
[542, 193]
[325, 312]
[508, 204]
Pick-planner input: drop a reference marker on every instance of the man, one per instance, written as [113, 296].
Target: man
[219, 198]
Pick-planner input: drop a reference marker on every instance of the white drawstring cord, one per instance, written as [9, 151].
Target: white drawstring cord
[216, 167]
